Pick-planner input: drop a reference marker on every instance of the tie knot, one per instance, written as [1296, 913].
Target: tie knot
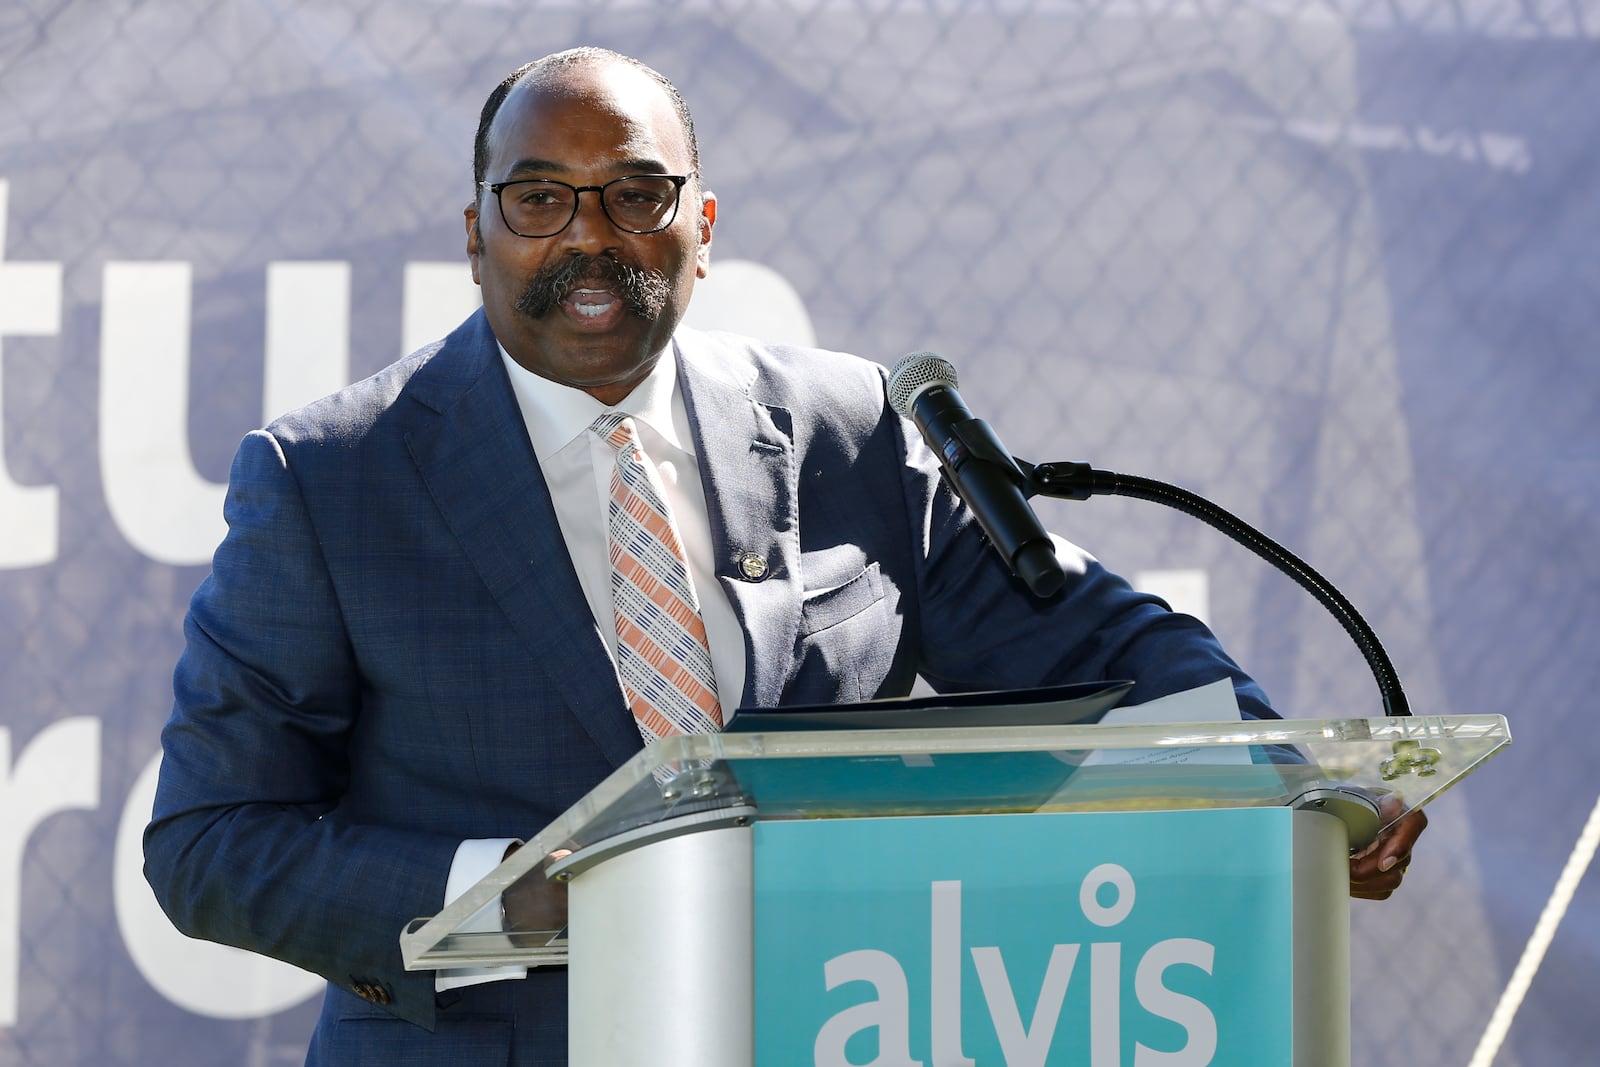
[617, 430]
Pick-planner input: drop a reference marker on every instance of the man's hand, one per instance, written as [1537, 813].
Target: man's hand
[535, 902]
[1377, 870]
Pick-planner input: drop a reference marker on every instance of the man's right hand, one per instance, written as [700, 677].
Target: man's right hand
[535, 902]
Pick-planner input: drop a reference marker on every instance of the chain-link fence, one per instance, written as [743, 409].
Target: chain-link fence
[1331, 264]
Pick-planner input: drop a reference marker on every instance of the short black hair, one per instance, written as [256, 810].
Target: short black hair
[545, 70]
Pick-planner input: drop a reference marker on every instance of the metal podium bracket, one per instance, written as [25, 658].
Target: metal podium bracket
[1351, 806]
[569, 867]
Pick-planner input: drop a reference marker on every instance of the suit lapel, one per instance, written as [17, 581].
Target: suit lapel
[747, 466]
[472, 451]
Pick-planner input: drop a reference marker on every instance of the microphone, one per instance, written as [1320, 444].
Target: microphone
[922, 388]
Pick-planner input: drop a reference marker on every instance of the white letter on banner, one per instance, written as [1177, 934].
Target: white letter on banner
[158, 500]
[944, 968]
[1105, 1004]
[742, 296]
[213, 980]
[435, 297]
[58, 771]
[890, 1013]
[1105, 962]
[30, 305]
[1089, 894]
[1030, 1047]
[1186, 1011]
[308, 334]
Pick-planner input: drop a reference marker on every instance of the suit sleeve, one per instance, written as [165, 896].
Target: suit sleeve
[248, 845]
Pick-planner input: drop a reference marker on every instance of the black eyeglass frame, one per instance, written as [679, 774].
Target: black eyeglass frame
[678, 181]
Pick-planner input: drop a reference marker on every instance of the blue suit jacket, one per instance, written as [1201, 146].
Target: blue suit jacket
[392, 653]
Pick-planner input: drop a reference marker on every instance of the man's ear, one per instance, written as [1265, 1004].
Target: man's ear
[474, 239]
[708, 219]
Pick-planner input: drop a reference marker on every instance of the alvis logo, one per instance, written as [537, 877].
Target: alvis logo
[1104, 939]
[1022, 1044]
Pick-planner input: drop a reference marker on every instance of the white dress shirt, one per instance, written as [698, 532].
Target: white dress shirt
[577, 469]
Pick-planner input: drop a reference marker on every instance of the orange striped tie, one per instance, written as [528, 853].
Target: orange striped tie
[662, 655]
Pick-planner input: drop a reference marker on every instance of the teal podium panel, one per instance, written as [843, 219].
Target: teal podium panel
[1057, 940]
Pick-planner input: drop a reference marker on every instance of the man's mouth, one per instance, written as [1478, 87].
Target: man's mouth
[591, 303]
[595, 289]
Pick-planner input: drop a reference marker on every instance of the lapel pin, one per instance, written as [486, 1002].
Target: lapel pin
[752, 568]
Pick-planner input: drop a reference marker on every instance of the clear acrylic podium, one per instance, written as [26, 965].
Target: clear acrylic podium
[659, 943]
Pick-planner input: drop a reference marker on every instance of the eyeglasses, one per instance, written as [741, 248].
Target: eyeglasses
[538, 207]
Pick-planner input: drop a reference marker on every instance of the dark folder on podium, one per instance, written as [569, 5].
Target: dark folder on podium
[882, 784]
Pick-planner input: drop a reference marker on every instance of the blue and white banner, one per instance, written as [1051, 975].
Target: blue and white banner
[1333, 265]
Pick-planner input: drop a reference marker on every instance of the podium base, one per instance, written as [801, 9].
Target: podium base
[677, 914]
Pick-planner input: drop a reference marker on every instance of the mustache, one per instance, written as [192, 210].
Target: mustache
[644, 291]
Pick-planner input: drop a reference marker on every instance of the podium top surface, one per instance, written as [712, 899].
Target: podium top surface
[1014, 769]
[1392, 765]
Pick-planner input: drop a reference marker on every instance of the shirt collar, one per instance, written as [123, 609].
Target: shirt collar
[558, 414]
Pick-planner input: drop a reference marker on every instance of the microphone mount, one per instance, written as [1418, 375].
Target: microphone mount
[1080, 481]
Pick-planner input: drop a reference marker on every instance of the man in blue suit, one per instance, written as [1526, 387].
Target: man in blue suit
[403, 658]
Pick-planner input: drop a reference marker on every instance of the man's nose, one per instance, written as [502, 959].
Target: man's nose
[591, 229]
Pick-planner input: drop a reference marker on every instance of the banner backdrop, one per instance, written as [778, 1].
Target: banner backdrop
[1332, 264]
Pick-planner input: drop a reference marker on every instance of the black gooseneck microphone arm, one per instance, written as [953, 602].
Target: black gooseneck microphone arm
[1079, 481]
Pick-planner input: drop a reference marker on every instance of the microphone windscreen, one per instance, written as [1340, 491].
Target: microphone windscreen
[915, 372]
